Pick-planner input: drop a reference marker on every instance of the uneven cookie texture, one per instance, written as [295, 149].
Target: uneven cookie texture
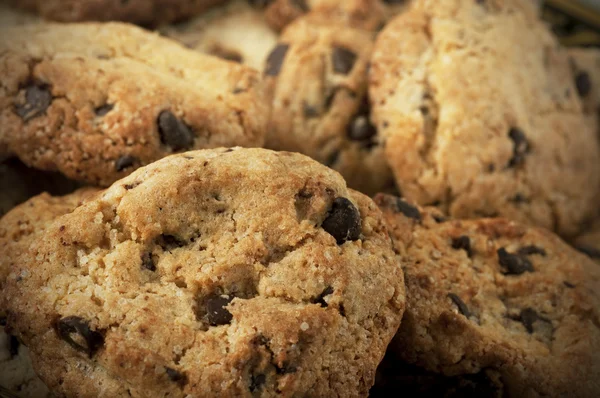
[236, 32]
[137, 98]
[229, 272]
[317, 78]
[480, 114]
[144, 12]
[585, 63]
[494, 300]
[363, 14]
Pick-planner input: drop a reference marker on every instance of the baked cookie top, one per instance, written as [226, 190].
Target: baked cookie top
[137, 98]
[229, 272]
[235, 31]
[144, 12]
[495, 297]
[480, 113]
[317, 78]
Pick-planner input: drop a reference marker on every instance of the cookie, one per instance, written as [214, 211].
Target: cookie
[143, 12]
[477, 105]
[317, 79]
[589, 241]
[363, 14]
[494, 298]
[10, 16]
[585, 63]
[137, 98]
[236, 32]
[19, 183]
[260, 266]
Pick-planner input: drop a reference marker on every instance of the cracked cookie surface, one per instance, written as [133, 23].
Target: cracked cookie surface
[144, 12]
[260, 266]
[479, 125]
[236, 32]
[497, 299]
[137, 98]
[317, 78]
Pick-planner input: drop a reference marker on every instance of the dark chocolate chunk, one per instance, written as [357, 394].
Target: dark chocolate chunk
[37, 100]
[361, 129]
[169, 242]
[528, 317]
[275, 59]
[343, 221]
[569, 284]
[589, 251]
[125, 162]
[320, 299]
[13, 346]
[521, 146]
[88, 341]
[343, 60]
[515, 264]
[173, 132]
[462, 307]
[148, 262]
[531, 250]
[462, 243]
[217, 314]
[407, 209]
[583, 84]
[257, 381]
[300, 4]
[104, 109]
[175, 375]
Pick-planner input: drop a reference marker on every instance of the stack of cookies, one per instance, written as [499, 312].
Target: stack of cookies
[297, 198]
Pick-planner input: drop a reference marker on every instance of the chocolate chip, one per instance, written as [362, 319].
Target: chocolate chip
[275, 59]
[173, 132]
[13, 346]
[569, 284]
[343, 60]
[407, 209]
[361, 129]
[462, 243]
[515, 264]
[531, 250]
[300, 4]
[257, 382]
[125, 162]
[169, 242]
[462, 307]
[103, 110]
[343, 221]
[217, 314]
[519, 198]
[589, 251]
[320, 299]
[37, 100]
[528, 317]
[583, 84]
[148, 262]
[521, 146]
[176, 376]
[439, 218]
[88, 341]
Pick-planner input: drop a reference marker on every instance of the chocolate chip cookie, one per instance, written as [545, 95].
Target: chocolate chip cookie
[225, 272]
[492, 297]
[363, 14]
[480, 114]
[144, 12]
[137, 98]
[236, 32]
[317, 77]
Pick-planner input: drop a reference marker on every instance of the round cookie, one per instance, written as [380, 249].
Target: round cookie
[363, 14]
[143, 12]
[137, 98]
[479, 125]
[317, 78]
[229, 272]
[235, 31]
[495, 297]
